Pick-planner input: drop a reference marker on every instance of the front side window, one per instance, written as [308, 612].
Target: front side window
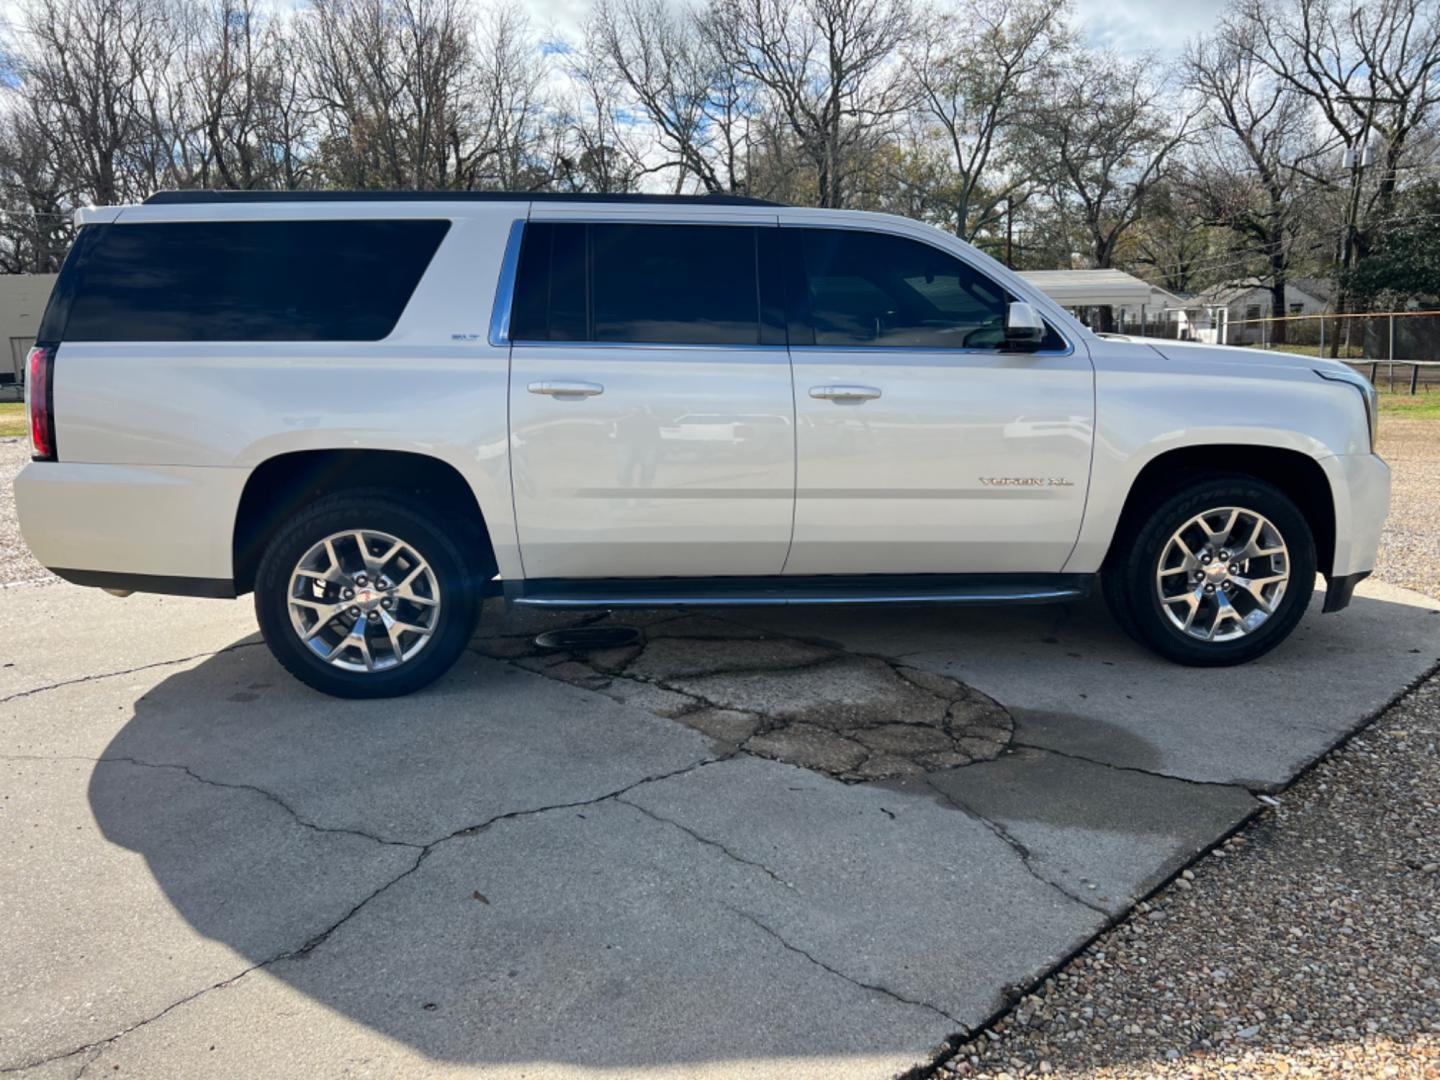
[877, 290]
[655, 284]
[341, 280]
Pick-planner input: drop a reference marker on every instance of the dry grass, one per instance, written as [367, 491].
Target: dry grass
[12, 418]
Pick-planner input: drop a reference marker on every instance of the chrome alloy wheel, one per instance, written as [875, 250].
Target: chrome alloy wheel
[1223, 574]
[364, 601]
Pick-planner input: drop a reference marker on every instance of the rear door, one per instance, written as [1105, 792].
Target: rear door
[924, 446]
[651, 416]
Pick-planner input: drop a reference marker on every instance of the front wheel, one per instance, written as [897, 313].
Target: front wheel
[1216, 574]
[362, 596]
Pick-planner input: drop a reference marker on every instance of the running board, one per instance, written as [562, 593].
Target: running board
[779, 591]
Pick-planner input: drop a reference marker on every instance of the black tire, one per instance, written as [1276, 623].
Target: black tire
[383, 512]
[1129, 576]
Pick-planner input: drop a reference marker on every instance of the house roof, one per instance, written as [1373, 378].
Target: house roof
[1320, 290]
[1087, 288]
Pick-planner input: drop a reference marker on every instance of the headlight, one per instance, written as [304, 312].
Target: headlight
[1368, 393]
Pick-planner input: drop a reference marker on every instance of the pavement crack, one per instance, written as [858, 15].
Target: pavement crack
[270, 796]
[1024, 853]
[873, 987]
[471, 830]
[1018, 745]
[318, 939]
[731, 853]
[300, 820]
[99, 1045]
[126, 671]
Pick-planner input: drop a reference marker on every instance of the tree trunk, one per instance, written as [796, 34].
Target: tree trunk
[1277, 304]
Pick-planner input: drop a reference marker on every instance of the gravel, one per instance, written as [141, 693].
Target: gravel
[1309, 944]
[17, 565]
[1410, 548]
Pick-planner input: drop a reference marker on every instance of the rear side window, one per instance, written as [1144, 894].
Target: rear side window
[661, 284]
[248, 280]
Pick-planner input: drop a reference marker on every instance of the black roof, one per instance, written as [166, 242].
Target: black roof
[190, 197]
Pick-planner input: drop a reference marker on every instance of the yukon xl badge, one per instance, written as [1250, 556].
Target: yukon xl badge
[1026, 481]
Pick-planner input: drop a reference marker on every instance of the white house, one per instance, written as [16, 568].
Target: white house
[1139, 306]
[1238, 307]
[22, 302]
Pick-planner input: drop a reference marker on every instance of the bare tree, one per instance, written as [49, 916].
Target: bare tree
[391, 81]
[241, 121]
[509, 140]
[830, 68]
[680, 79]
[1104, 135]
[604, 149]
[1256, 153]
[977, 68]
[94, 71]
[1174, 238]
[1372, 70]
[35, 227]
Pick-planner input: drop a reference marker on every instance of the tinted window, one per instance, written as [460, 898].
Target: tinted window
[550, 302]
[876, 290]
[249, 280]
[668, 284]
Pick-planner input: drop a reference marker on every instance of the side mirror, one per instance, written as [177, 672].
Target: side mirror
[1024, 329]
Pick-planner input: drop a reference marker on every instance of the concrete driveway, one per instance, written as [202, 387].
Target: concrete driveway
[796, 843]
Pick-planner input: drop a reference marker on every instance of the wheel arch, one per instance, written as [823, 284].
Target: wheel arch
[282, 485]
[1297, 474]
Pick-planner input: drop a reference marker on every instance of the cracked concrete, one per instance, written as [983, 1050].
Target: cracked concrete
[852, 716]
[1073, 684]
[594, 867]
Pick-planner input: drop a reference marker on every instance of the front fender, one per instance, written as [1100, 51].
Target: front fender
[1147, 405]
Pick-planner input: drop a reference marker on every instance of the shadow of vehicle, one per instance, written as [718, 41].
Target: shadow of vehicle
[453, 871]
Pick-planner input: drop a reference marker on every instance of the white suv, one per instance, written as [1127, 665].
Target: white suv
[372, 410]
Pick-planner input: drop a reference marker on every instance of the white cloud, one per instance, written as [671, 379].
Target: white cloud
[1140, 26]
[1128, 26]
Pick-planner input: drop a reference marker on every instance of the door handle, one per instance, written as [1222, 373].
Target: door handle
[566, 389]
[845, 393]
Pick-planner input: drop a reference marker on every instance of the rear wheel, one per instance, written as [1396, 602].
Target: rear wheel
[1218, 573]
[363, 596]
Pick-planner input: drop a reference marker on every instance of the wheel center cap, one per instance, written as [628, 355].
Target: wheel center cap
[365, 598]
[1216, 572]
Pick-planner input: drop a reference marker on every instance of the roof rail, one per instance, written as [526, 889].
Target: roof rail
[193, 197]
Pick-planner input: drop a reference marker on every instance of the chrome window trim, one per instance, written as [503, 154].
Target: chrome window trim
[665, 345]
[906, 350]
[505, 286]
[588, 216]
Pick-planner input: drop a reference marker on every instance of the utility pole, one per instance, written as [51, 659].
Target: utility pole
[1010, 232]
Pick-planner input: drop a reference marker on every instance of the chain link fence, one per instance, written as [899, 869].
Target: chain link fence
[1398, 350]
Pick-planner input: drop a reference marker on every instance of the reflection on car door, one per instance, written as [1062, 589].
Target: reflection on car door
[651, 411]
[922, 445]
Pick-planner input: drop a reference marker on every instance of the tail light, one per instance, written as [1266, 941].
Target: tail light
[40, 393]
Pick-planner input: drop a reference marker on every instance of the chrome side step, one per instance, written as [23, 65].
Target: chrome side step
[779, 591]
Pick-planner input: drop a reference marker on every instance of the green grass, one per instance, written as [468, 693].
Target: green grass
[1420, 407]
[12, 418]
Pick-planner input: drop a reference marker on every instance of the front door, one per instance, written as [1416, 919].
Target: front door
[651, 416]
[924, 446]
